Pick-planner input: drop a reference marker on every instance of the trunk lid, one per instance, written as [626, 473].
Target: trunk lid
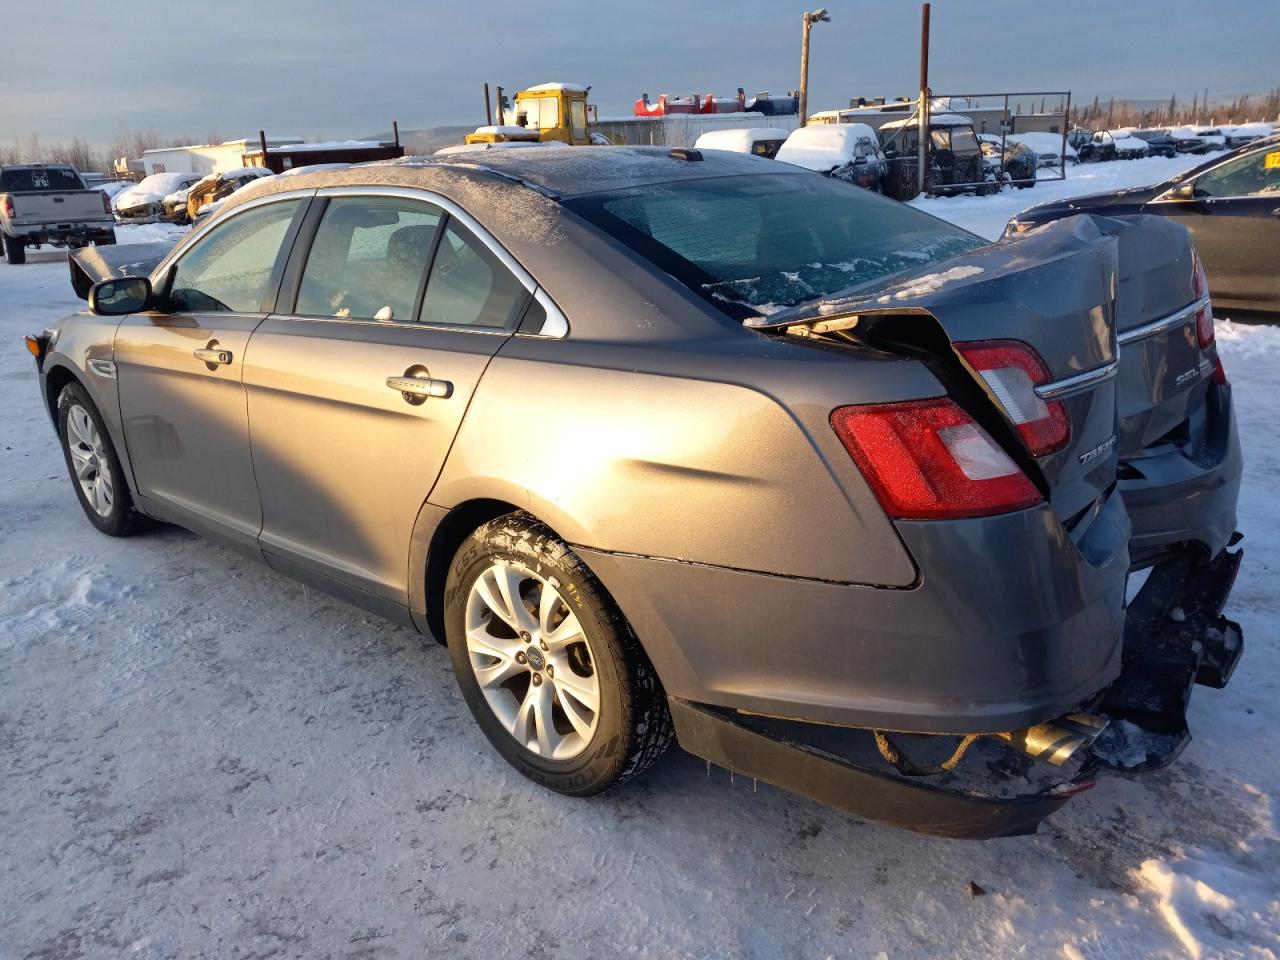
[89, 265]
[57, 207]
[1164, 375]
[1053, 289]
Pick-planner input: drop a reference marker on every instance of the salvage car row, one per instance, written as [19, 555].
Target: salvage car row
[1130, 143]
[833, 493]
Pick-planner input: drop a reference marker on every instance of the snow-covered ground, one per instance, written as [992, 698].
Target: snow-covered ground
[987, 216]
[201, 758]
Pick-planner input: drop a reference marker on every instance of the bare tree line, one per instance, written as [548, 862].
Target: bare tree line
[1198, 111]
[81, 155]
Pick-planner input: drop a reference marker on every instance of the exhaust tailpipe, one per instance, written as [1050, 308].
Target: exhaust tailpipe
[1058, 740]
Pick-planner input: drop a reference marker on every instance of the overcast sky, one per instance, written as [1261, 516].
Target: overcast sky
[342, 69]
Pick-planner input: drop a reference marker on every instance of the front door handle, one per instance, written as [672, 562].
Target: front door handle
[416, 390]
[212, 355]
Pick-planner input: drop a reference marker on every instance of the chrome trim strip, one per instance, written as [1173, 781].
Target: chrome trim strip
[1081, 381]
[450, 207]
[1164, 323]
[555, 326]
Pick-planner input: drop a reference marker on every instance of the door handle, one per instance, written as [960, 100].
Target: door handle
[416, 390]
[1276, 212]
[212, 355]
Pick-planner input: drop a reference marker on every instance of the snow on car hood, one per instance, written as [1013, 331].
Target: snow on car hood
[153, 189]
[824, 146]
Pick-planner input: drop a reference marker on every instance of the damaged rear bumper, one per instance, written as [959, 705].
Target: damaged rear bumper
[1175, 637]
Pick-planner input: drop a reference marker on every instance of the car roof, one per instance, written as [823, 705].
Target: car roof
[583, 170]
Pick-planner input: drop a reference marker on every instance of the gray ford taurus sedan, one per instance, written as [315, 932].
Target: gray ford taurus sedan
[676, 443]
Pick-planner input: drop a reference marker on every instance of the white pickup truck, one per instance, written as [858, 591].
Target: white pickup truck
[42, 203]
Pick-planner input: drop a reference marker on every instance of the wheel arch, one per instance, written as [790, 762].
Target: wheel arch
[451, 529]
[59, 373]
[56, 379]
[440, 532]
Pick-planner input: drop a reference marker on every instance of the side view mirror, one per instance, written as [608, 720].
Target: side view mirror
[1184, 191]
[115, 298]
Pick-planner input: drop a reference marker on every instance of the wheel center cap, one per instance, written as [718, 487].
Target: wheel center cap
[536, 660]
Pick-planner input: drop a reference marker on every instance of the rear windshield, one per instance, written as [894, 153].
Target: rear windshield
[39, 178]
[759, 244]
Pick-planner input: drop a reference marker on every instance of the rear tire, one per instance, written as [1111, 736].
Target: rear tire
[96, 474]
[531, 689]
[14, 250]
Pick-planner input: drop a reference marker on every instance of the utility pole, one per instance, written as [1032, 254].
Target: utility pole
[810, 18]
[488, 110]
[502, 115]
[922, 111]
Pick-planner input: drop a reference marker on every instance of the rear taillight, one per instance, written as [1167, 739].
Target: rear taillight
[928, 459]
[1204, 316]
[1012, 371]
[1219, 374]
[8, 206]
[106, 202]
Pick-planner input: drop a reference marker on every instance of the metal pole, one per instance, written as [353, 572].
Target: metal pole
[810, 18]
[262, 142]
[395, 132]
[1066, 124]
[488, 110]
[923, 121]
[502, 116]
[804, 71]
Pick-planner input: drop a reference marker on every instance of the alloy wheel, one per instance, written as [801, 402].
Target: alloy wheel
[89, 461]
[532, 661]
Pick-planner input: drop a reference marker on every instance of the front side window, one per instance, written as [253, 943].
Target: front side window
[754, 245]
[229, 268]
[469, 286]
[368, 259]
[548, 113]
[528, 109]
[1250, 176]
[963, 140]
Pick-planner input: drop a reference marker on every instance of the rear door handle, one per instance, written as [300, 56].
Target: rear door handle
[417, 389]
[212, 355]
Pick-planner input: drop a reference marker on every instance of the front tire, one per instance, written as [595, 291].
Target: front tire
[96, 473]
[547, 663]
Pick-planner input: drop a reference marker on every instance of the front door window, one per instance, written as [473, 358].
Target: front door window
[228, 271]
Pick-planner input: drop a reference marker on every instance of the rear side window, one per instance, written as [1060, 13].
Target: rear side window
[758, 244]
[369, 258]
[228, 269]
[469, 286]
[39, 178]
